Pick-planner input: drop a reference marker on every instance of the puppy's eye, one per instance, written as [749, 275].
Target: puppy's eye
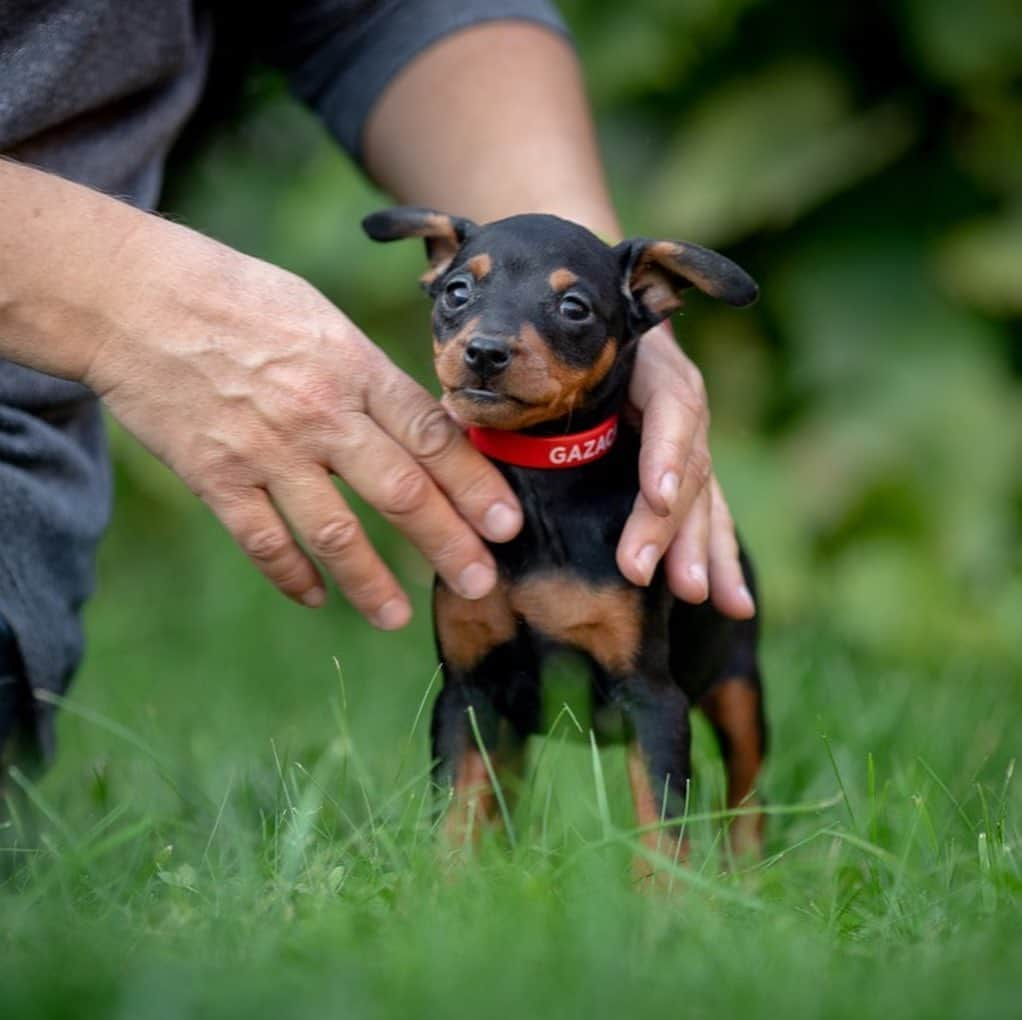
[457, 292]
[574, 308]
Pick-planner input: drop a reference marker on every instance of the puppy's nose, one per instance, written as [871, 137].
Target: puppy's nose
[487, 356]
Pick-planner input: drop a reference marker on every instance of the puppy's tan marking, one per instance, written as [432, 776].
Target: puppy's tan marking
[662, 841]
[449, 354]
[561, 279]
[442, 244]
[473, 803]
[652, 280]
[604, 621]
[601, 366]
[480, 265]
[733, 707]
[469, 628]
[543, 387]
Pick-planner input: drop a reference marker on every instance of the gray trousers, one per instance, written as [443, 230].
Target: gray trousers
[54, 506]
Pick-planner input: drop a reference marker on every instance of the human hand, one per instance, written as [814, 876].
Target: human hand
[680, 514]
[254, 389]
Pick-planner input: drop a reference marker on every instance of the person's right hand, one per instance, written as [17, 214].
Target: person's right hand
[255, 389]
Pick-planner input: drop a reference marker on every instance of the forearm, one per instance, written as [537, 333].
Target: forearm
[58, 249]
[494, 121]
[490, 122]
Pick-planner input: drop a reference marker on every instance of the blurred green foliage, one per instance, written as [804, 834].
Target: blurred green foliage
[228, 829]
[864, 161]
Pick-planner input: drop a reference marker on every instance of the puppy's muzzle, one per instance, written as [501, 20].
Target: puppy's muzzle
[487, 356]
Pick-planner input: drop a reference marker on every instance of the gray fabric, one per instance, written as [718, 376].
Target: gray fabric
[97, 91]
[342, 73]
[54, 505]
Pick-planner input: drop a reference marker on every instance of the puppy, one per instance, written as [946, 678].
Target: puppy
[536, 323]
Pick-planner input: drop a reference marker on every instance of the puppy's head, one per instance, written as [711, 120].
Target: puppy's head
[534, 317]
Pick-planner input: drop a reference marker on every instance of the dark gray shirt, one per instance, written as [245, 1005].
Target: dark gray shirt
[97, 91]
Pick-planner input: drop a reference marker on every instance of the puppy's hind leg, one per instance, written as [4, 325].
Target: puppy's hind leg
[734, 707]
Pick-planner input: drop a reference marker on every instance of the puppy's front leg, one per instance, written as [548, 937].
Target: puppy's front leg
[488, 666]
[659, 766]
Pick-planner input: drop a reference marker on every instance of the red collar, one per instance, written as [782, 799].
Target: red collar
[568, 451]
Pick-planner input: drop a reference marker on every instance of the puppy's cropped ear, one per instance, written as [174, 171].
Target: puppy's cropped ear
[444, 234]
[656, 272]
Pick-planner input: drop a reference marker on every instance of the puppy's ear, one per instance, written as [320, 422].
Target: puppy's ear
[444, 234]
[656, 272]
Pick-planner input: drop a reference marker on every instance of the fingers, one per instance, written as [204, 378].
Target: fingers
[687, 558]
[704, 559]
[681, 508]
[333, 535]
[388, 478]
[645, 537]
[258, 529]
[700, 555]
[477, 490]
[727, 580]
[674, 460]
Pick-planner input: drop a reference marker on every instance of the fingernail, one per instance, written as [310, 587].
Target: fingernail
[646, 560]
[391, 615]
[476, 580]
[746, 596]
[669, 487]
[501, 522]
[314, 597]
[698, 574]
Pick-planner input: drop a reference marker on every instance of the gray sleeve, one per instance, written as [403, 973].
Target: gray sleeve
[340, 55]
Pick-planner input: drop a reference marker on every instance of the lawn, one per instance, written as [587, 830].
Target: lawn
[239, 820]
[238, 825]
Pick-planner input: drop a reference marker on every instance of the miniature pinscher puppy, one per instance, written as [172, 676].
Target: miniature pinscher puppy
[536, 324]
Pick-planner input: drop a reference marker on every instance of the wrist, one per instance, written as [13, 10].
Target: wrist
[60, 269]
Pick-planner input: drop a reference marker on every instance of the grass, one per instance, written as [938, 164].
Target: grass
[237, 826]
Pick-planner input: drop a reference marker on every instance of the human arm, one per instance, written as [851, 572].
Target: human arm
[250, 385]
[253, 388]
[494, 121]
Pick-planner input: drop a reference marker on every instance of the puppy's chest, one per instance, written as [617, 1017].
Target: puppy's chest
[572, 525]
[560, 607]
[559, 578]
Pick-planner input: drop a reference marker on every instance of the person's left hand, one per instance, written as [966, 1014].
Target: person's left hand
[680, 513]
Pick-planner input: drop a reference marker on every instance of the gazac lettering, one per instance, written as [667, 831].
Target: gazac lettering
[581, 453]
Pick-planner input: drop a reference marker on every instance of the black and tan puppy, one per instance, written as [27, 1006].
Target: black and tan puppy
[536, 323]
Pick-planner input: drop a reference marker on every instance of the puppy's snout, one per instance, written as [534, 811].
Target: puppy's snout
[487, 356]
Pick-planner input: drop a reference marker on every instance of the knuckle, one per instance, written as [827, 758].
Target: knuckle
[336, 537]
[454, 549]
[349, 438]
[673, 449]
[405, 493]
[691, 401]
[369, 595]
[697, 384]
[700, 466]
[224, 460]
[476, 486]
[215, 463]
[264, 545]
[311, 400]
[431, 433]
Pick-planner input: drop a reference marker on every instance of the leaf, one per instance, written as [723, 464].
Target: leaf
[762, 151]
[981, 263]
[976, 43]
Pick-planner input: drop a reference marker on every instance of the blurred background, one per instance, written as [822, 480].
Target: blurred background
[864, 162]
